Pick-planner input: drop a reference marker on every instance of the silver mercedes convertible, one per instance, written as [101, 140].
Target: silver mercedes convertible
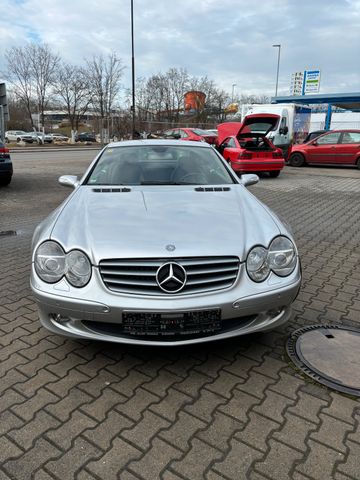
[160, 243]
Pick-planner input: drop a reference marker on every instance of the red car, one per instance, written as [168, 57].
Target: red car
[245, 146]
[193, 134]
[338, 147]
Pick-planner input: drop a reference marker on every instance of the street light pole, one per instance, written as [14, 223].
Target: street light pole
[133, 69]
[232, 93]
[278, 66]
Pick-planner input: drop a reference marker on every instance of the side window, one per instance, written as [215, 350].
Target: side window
[183, 134]
[231, 143]
[225, 143]
[331, 138]
[351, 137]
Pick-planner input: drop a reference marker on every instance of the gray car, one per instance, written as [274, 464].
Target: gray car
[160, 243]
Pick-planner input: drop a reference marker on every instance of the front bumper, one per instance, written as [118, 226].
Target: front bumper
[94, 312]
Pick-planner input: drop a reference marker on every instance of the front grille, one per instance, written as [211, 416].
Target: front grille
[138, 276]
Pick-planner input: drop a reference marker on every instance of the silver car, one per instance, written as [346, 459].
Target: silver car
[160, 243]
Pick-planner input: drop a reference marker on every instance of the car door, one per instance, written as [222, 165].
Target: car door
[348, 150]
[322, 149]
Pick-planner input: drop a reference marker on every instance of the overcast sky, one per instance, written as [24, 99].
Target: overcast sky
[230, 41]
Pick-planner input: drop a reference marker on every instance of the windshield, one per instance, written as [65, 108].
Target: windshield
[159, 165]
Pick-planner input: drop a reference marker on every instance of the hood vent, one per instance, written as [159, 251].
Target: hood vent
[112, 190]
[212, 189]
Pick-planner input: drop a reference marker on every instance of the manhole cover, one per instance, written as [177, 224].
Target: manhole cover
[330, 354]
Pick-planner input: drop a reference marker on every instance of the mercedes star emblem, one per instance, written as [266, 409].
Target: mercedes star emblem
[171, 277]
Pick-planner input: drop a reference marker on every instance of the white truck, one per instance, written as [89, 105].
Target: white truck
[293, 125]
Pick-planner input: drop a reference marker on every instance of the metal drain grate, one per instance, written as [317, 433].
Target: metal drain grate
[8, 233]
[329, 354]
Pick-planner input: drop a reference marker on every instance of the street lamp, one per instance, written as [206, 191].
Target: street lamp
[277, 72]
[232, 94]
[133, 69]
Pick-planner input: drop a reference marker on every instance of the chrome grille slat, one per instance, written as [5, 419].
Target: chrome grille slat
[136, 273]
[210, 280]
[138, 276]
[203, 271]
[130, 281]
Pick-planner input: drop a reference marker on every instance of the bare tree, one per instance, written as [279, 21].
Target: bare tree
[104, 75]
[19, 74]
[30, 69]
[71, 84]
[43, 65]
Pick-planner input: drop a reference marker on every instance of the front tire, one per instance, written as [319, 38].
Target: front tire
[358, 163]
[297, 160]
[274, 173]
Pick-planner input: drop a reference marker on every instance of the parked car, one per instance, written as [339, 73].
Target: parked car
[191, 134]
[245, 146]
[314, 134]
[6, 167]
[160, 243]
[18, 136]
[85, 137]
[41, 137]
[338, 147]
[59, 137]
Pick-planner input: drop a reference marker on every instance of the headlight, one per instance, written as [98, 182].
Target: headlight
[52, 263]
[78, 268]
[257, 264]
[279, 258]
[282, 256]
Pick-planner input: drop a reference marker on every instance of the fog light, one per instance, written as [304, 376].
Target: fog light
[58, 318]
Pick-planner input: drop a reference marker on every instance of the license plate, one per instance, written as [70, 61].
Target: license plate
[177, 323]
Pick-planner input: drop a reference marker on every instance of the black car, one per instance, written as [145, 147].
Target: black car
[6, 168]
[85, 137]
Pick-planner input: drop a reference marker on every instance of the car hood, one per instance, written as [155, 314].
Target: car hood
[259, 124]
[142, 222]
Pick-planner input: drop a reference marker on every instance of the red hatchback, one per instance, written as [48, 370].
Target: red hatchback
[338, 147]
[245, 146]
[193, 134]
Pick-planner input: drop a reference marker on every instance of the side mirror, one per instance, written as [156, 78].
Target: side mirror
[69, 181]
[283, 131]
[249, 179]
[176, 136]
[315, 143]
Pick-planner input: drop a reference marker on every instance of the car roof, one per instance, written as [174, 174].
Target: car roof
[174, 143]
[344, 130]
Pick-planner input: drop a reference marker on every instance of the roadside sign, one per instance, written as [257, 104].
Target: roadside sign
[305, 82]
[296, 85]
[311, 82]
